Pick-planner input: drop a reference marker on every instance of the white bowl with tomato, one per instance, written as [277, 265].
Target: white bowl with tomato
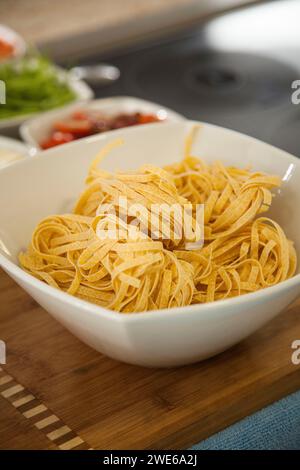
[12, 45]
[77, 121]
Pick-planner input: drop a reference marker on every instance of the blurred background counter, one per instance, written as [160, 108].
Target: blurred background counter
[73, 29]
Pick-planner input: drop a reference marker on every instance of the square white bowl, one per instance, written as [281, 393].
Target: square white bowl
[50, 182]
[35, 130]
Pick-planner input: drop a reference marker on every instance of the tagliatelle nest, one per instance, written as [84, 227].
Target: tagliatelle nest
[152, 200]
[126, 276]
[242, 250]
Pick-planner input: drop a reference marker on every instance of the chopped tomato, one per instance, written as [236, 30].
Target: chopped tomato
[76, 127]
[84, 123]
[57, 138]
[80, 115]
[6, 49]
[146, 118]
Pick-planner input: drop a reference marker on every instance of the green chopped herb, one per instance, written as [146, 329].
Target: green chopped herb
[33, 84]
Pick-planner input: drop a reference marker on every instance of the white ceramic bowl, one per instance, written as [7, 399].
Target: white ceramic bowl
[12, 37]
[35, 130]
[82, 93]
[49, 183]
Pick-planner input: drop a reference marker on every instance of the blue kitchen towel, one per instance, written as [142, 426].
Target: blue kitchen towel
[275, 427]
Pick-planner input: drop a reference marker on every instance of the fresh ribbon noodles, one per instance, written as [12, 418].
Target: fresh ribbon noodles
[152, 201]
[140, 270]
[257, 256]
[232, 197]
[131, 276]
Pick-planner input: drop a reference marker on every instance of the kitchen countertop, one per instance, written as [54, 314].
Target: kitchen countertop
[104, 404]
[75, 28]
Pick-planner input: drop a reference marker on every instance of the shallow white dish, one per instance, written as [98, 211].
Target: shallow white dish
[48, 183]
[14, 146]
[37, 129]
[82, 91]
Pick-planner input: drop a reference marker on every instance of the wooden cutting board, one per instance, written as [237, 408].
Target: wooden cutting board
[81, 399]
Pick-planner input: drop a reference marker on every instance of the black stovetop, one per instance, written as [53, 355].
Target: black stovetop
[229, 72]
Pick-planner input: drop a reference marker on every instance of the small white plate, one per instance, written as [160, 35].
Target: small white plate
[39, 128]
[12, 145]
[82, 91]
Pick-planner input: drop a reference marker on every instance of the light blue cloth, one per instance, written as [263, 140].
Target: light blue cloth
[274, 427]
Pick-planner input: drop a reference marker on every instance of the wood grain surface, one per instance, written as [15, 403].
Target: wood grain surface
[43, 21]
[110, 405]
[72, 29]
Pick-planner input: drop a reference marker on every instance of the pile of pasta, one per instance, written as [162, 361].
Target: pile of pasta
[243, 251]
